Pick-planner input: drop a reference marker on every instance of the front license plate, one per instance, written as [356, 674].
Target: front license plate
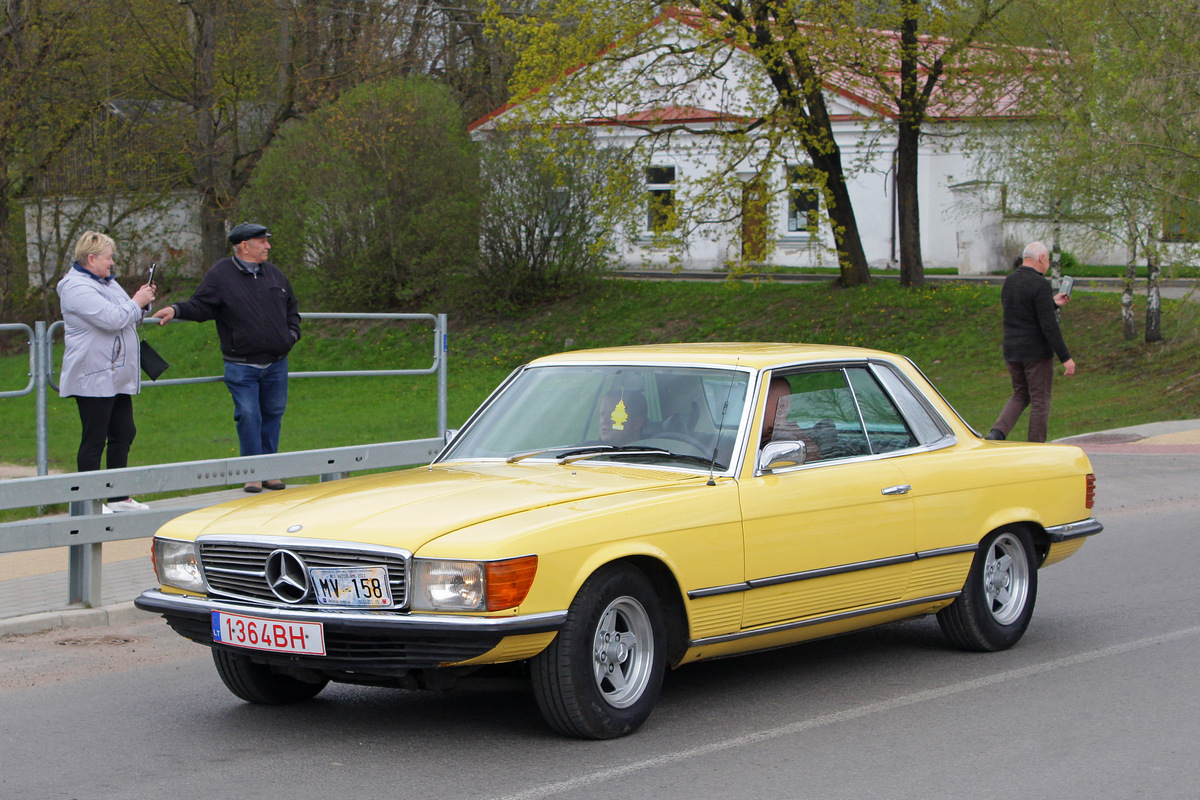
[358, 587]
[258, 633]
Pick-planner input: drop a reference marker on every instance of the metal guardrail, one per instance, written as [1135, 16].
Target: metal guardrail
[33, 370]
[86, 529]
[42, 368]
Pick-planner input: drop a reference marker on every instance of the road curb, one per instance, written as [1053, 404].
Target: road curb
[115, 614]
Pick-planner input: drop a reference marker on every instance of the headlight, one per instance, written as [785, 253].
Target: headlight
[176, 565]
[444, 585]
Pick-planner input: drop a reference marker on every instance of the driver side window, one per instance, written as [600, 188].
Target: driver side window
[826, 410]
[816, 408]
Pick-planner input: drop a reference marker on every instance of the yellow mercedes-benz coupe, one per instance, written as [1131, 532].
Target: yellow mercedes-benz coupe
[607, 514]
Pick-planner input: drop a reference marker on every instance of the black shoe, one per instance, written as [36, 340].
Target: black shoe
[996, 435]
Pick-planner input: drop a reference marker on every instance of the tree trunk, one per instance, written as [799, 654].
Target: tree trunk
[801, 94]
[908, 208]
[1128, 323]
[852, 261]
[213, 246]
[908, 141]
[1153, 302]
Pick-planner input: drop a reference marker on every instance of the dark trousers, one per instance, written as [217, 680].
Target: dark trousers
[1031, 382]
[259, 400]
[107, 425]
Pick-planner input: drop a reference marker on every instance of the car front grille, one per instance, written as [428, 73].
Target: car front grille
[236, 568]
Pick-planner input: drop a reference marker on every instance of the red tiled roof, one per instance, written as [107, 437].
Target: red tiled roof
[852, 87]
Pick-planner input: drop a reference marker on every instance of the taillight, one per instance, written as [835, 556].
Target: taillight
[1090, 494]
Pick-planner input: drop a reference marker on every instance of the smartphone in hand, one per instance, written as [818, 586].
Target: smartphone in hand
[150, 280]
[1068, 283]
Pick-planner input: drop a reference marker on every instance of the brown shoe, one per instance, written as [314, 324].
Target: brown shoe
[274, 485]
[254, 487]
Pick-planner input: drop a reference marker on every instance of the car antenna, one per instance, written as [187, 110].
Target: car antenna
[712, 467]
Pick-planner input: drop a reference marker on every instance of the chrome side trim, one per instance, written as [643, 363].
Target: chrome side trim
[160, 602]
[1074, 530]
[948, 551]
[774, 580]
[713, 591]
[806, 623]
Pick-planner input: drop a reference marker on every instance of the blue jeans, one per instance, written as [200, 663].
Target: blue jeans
[259, 400]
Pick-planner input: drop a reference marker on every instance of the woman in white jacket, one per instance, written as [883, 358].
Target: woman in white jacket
[102, 364]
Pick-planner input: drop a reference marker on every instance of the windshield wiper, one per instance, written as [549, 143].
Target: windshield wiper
[515, 457]
[630, 450]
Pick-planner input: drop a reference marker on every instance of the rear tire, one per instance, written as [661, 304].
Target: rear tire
[258, 683]
[996, 603]
[600, 677]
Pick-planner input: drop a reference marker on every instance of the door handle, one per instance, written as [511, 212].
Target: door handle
[903, 488]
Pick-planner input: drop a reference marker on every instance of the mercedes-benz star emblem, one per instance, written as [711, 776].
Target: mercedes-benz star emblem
[286, 576]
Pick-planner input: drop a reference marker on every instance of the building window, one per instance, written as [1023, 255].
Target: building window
[804, 201]
[660, 202]
[1181, 221]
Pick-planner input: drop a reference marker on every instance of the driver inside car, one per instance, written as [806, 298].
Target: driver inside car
[776, 426]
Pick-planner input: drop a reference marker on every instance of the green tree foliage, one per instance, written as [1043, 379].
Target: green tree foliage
[1114, 137]
[50, 75]
[550, 215]
[373, 200]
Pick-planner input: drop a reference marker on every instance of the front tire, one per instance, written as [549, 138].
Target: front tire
[258, 683]
[996, 603]
[600, 677]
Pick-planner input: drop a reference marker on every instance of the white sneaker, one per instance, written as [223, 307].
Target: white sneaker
[127, 505]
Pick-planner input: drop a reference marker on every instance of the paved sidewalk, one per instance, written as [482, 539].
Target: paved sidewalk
[33, 585]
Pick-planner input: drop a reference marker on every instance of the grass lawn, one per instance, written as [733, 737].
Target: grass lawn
[951, 331]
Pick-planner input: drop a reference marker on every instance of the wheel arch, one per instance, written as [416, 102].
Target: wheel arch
[1036, 531]
[670, 597]
[1041, 539]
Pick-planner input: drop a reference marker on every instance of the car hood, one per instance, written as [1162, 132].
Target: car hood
[410, 508]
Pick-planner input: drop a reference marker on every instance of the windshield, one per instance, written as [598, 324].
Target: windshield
[644, 414]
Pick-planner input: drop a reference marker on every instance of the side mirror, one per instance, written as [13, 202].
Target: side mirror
[449, 435]
[780, 455]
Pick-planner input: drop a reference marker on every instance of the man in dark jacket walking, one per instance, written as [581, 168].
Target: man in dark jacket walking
[258, 321]
[1031, 340]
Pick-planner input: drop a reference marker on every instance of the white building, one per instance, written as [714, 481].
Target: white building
[964, 222]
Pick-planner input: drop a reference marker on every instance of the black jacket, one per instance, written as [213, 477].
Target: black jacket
[1031, 331]
[258, 318]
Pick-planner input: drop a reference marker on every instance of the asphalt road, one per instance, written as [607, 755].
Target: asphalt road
[1100, 700]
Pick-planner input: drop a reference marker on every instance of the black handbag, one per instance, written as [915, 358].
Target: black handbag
[152, 363]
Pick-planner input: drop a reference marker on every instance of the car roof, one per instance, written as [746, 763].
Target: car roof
[756, 355]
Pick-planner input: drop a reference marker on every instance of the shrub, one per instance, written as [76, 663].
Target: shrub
[550, 213]
[372, 201]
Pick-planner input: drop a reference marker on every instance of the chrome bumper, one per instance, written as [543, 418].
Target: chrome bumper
[160, 602]
[1074, 530]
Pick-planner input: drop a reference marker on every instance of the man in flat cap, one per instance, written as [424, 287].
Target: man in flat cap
[258, 321]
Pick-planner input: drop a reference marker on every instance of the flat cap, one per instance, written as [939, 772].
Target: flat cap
[248, 230]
